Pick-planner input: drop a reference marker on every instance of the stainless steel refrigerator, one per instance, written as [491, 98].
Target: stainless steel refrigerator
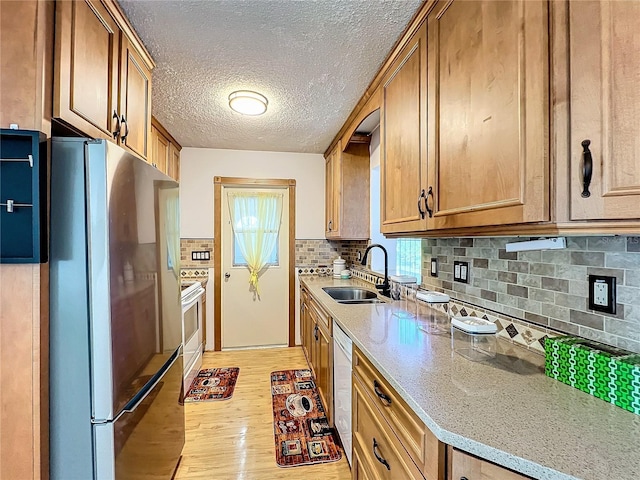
[116, 397]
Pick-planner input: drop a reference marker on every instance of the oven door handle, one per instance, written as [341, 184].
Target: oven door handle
[189, 301]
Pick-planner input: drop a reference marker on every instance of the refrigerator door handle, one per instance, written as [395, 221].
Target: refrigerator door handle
[142, 394]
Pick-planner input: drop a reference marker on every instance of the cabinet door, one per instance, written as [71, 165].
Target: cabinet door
[403, 139]
[135, 100]
[305, 327]
[86, 67]
[324, 371]
[159, 151]
[314, 344]
[333, 193]
[488, 113]
[467, 466]
[605, 101]
[174, 162]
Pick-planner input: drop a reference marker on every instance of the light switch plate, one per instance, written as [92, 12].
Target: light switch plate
[200, 255]
[602, 293]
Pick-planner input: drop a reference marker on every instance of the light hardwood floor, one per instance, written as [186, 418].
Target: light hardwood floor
[234, 439]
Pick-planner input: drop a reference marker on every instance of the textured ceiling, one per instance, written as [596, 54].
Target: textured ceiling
[313, 59]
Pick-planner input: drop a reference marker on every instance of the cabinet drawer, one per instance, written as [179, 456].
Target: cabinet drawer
[463, 465]
[423, 447]
[319, 314]
[376, 447]
[359, 470]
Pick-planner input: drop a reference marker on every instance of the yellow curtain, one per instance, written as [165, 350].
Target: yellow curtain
[255, 218]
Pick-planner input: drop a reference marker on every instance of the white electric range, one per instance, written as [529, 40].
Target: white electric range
[192, 341]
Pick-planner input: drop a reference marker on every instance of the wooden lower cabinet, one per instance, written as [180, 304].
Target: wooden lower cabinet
[422, 446]
[204, 319]
[317, 343]
[322, 362]
[463, 466]
[375, 445]
[324, 369]
[359, 468]
[305, 332]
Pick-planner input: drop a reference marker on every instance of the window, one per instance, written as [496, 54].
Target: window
[409, 257]
[239, 261]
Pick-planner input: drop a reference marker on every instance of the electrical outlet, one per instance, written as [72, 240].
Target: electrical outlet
[461, 272]
[602, 293]
[434, 266]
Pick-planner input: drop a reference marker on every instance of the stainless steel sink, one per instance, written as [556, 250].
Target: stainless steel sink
[352, 294]
[360, 302]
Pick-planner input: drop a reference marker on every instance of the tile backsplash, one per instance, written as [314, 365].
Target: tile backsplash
[547, 288]
[188, 245]
[324, 252]
[308, 252]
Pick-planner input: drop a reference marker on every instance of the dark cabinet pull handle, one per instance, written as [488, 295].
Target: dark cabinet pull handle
[378, 457]
[116, 131]
[315, 332]
[126, 129]
[330, 225]
[587, 168]
[426, 202]
[464, 478]
[385, 398]
[419, 203]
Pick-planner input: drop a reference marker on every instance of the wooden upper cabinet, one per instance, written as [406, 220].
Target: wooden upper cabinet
[86, 67]
[332, 194]
[102, 75]
[165, 151]
[174, 161]
[403, 154]
[135, 100]
[160, 147]
[605, 101]
[488, 113]
[347, 193]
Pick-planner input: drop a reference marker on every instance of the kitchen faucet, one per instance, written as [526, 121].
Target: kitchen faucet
[384, 288]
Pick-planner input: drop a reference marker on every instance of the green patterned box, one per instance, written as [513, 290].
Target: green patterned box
[609, 373]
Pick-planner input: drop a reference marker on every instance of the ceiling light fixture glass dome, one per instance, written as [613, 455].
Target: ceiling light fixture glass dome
[247, 102]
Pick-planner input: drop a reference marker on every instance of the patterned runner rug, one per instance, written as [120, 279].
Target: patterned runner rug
[213, 384]
[302, 433]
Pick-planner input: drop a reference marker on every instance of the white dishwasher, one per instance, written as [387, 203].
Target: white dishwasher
[342, 347]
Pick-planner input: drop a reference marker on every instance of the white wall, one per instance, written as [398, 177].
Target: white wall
[377, 260]
[198, 166]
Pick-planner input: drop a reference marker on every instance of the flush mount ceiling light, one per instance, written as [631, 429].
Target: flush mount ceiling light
[247, 102]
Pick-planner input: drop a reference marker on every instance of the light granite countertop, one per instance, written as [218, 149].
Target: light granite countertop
[506, 411]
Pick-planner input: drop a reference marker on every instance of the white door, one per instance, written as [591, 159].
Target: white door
[249, 320]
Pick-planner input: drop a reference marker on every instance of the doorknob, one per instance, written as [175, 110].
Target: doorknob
[227, 275]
